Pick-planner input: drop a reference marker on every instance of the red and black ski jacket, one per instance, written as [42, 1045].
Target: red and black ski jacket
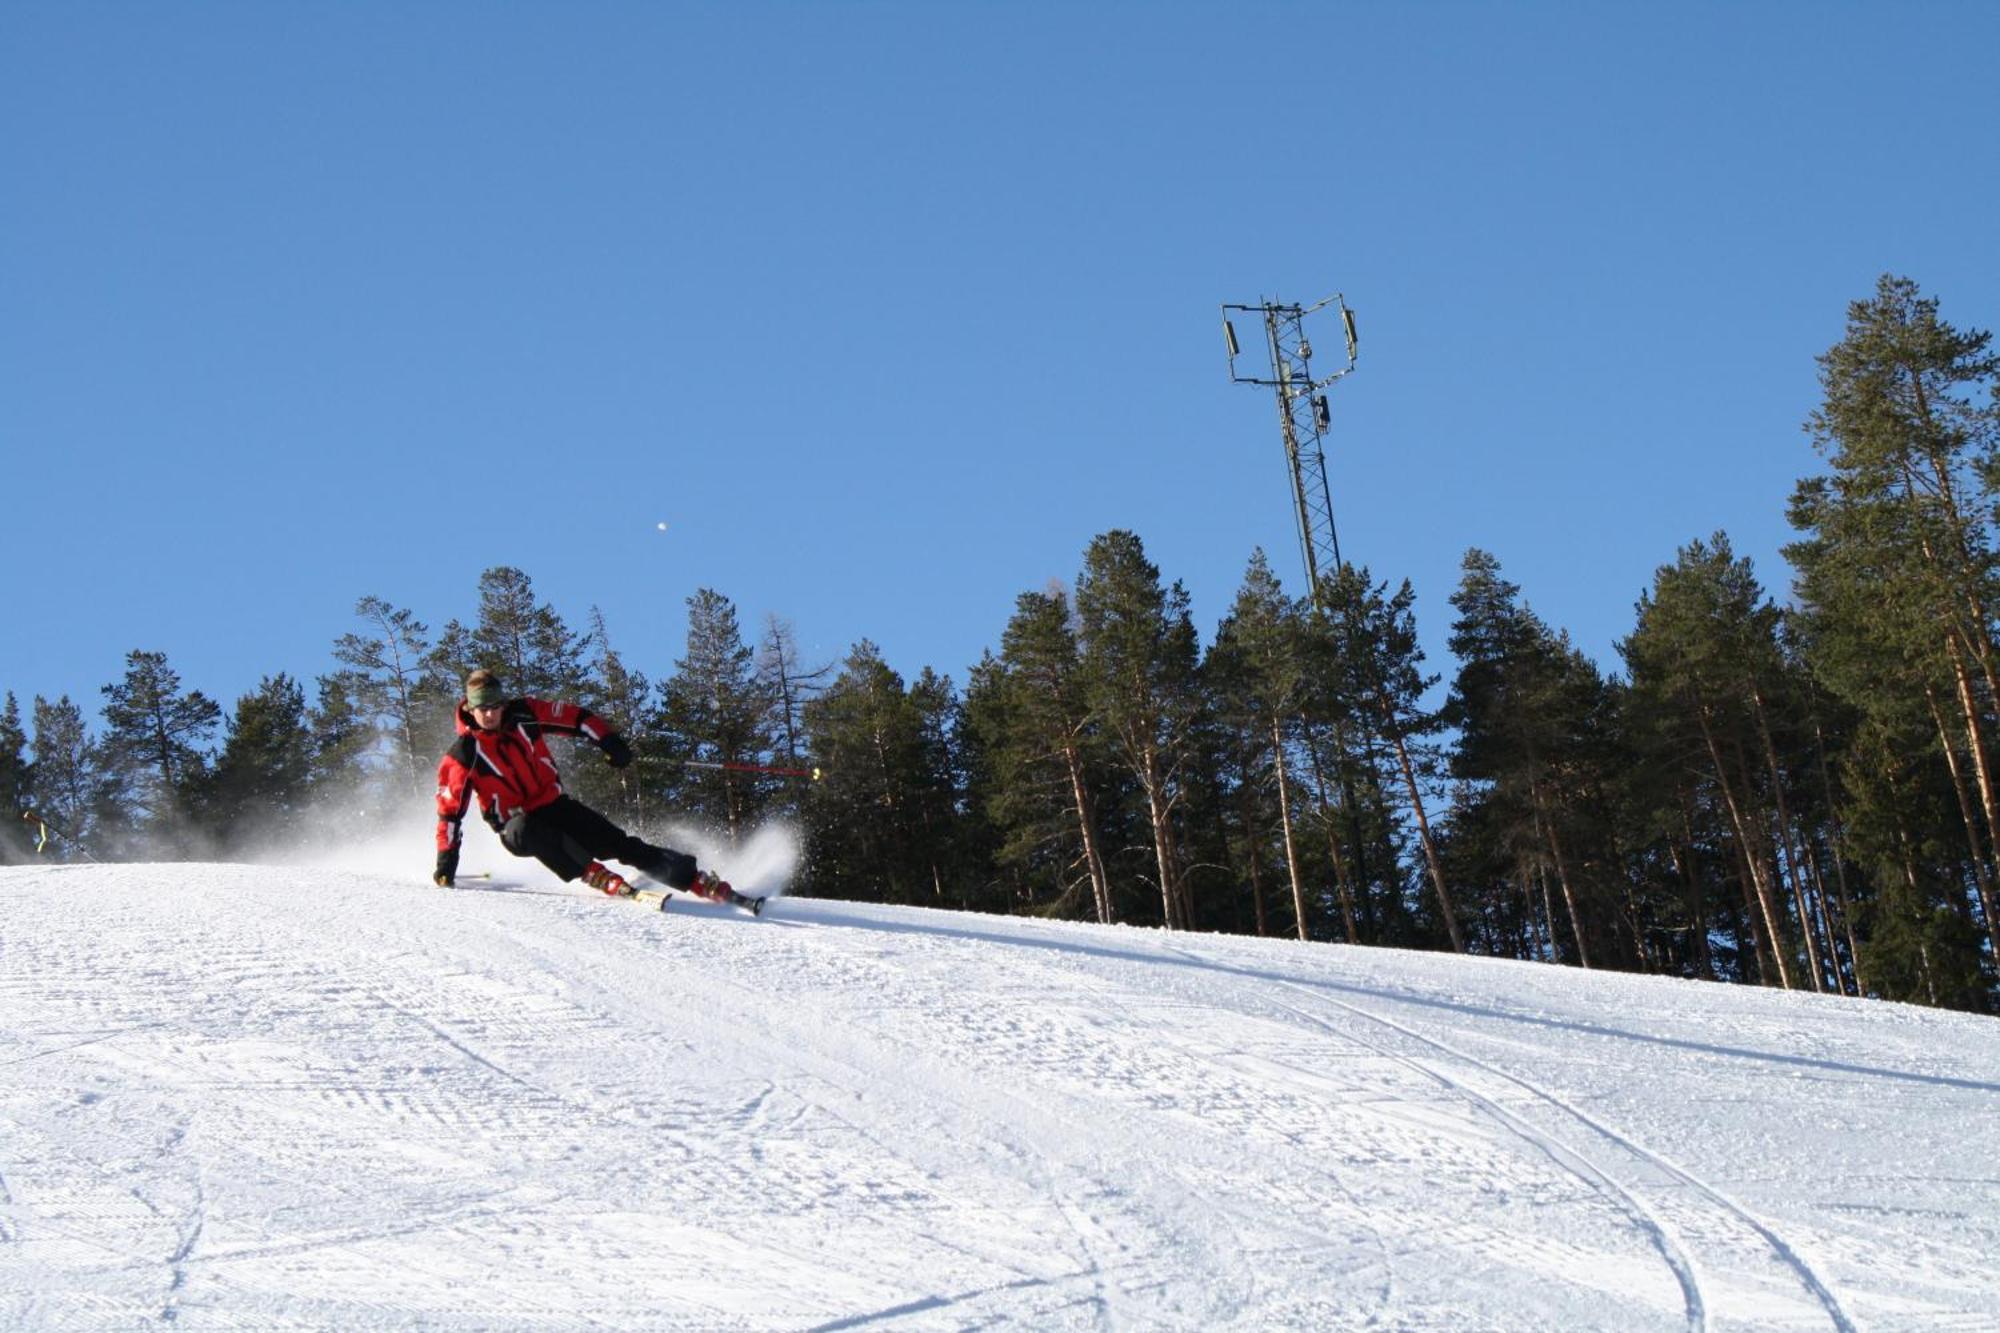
[507, 770]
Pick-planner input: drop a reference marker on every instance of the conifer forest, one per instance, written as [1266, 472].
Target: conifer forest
[1793, 784]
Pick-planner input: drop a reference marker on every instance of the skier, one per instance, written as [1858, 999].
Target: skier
[501, 760]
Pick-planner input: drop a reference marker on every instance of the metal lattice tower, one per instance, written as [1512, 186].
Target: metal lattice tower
[1303, 418]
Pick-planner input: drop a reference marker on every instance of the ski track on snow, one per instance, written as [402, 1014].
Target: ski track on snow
[1321, 1183]
[377, 1106]
[1785, 1253]
[1672, 1251]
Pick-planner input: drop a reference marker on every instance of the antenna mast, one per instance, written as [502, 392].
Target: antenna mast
[1303, 418]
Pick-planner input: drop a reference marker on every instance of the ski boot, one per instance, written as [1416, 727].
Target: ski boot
[708, 885]
[717, 890]
[599, 876]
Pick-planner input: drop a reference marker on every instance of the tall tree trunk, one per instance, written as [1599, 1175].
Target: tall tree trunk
[1163, 858]
[1547, 933]
[1528, 939]
[1832, 938]
[1548, 912]
[406, 722]
[1704, 959]
[1795, 874]
[1968, 706]
[1747, 846]
[1784, 840]
[1086, 823]
[1838, 840]
[1219, 823]
[1342, 878]
[1548, 830]
[1628, 876]
[1183, 874]
[1395, 735]
[1751, 921]
[1285, 817]
[1975, 630]
[1158, 814]
[1250, 840]
[1962, 572]
[1633, 924]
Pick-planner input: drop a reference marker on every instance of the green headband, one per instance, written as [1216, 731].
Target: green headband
[485, 696]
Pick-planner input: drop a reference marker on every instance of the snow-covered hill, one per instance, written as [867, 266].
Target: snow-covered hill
[233, 1097]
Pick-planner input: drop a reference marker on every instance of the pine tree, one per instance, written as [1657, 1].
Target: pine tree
[871, 827]
[1706, 652]
[1030, 827]
[65, 778]
[261, 781]
[1810, 726]
[391, 679]
[1138, 661]
[16, 783]
[1380, 663]
[1683, 857]
[153, 737]
[1897, 565]
[1255, 674]
[713, 711]
[938, 803]
[622, 697]
[517, 635]
[1349, 809]
[1531, 715]
[1240, 755]
[1500, 804]
[1028, 710]
[348, 783]
[1913, 946]
[789, 685]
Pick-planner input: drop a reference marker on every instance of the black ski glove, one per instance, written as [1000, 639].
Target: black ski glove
[447, 869]
[616, 751]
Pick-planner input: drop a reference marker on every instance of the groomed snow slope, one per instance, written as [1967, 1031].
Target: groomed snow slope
[234, 1097]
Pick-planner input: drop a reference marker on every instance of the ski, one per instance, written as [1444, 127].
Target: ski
[649, 892]
[644, 891]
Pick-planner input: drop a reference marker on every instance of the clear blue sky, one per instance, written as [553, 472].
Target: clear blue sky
[887, 309]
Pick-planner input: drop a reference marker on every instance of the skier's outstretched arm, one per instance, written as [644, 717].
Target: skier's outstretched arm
[568, 719]
[454, 796]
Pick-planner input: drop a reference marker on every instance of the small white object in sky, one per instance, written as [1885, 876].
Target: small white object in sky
[663, 526]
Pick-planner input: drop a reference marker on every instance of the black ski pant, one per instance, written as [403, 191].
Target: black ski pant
[566, 836]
